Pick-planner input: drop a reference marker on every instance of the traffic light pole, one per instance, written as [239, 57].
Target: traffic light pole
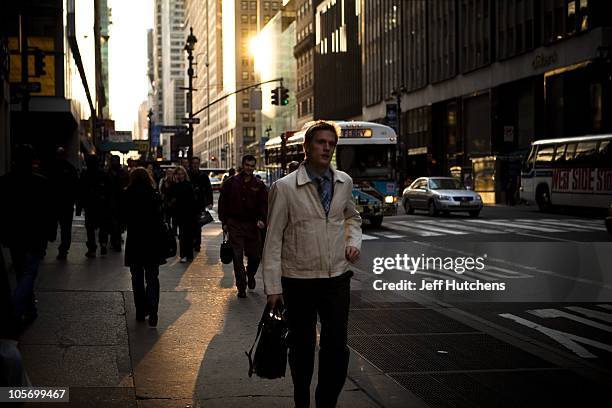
[235, 92]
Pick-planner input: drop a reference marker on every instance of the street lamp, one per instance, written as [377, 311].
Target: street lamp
[189, 47]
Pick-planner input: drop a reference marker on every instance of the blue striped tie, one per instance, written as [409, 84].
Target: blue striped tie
[324, 193]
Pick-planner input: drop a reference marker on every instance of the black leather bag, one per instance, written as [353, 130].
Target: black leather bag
[270, 359]
[168, 240]
[226, 253]
[205, 218]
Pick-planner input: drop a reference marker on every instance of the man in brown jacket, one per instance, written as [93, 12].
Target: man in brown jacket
[243, 206]
[314, 233]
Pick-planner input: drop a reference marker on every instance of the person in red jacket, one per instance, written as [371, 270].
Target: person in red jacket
[243, 208]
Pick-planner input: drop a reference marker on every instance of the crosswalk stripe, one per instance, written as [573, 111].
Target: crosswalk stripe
[579, 224]
[469, 228]
[394, 226]
[557, 223]
[390, 236]
[508, 273]
[604, 306]
[430, 228]
[507, 223]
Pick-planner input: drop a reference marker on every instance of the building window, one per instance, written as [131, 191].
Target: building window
[274, 5]
[253, 5]
[245, 117]
[244, 19]
[245, 103]
[253, 19]
[245, 75]
[266, 5]
[244, 5]
[252, 116]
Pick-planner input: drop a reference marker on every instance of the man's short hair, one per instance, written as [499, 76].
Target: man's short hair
[320, 125]
[248, 157]
[194, 158]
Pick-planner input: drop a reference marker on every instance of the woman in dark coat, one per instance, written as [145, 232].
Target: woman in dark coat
[185, 209]
[143, 247]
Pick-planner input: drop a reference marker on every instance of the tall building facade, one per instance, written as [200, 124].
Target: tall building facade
[230, 125]
[169, 61]
[271, 63]
[483, 78]
[303, 52]
[337, 60]
[64, 74]
[209, 136]
[105, 22]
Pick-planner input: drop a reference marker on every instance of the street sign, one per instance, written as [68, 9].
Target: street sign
[172, 129]
[392, 116]
[194, 121]
[120, 136]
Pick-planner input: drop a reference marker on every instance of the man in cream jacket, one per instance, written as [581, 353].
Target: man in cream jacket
[314, 234]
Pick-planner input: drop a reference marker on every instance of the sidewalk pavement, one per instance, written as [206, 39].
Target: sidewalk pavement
[86, 337]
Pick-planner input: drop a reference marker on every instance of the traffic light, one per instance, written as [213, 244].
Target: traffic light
[39, 63]
[275, 96]
[284, 96]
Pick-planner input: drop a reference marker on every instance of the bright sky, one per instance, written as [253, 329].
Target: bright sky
[127, 49]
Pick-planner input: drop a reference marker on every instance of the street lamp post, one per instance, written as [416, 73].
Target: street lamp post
[150, 117]
[189, 47]
[401, 141]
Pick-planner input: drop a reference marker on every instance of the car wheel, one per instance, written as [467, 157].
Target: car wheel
[474, 213]
[408, 207]
[376, 221]
[431, 208]
[543, 198]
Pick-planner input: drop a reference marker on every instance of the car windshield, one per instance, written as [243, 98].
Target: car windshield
[445, 184]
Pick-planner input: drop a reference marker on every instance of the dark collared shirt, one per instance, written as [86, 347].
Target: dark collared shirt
[325, 186]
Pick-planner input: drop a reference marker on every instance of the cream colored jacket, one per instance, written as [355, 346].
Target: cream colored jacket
[301, 242]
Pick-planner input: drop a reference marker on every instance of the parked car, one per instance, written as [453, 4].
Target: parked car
[609, 219]
[440, 194]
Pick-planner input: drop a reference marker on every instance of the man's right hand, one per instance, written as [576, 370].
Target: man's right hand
[274, 300]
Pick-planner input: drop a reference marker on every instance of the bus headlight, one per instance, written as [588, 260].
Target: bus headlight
[390, 199]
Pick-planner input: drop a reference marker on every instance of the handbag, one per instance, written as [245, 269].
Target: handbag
[270, 359]
[226, 252]
[205, 218]
[168, 240]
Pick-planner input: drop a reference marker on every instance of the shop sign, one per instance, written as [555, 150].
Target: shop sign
[543, 60]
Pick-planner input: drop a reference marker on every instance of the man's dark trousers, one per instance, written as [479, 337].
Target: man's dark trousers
[330, 298]
[64, 219]
[245, 239]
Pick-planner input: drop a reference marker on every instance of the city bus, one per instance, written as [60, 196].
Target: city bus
[573, 171]
[365, 150]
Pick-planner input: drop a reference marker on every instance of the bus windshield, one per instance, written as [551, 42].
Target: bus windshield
[365, 161]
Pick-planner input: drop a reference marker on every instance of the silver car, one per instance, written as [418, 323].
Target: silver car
[440, 194]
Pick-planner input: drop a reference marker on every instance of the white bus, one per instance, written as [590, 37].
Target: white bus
[572, 171]
[366, 151]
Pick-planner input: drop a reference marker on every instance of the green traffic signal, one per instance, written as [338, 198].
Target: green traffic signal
[284, 97]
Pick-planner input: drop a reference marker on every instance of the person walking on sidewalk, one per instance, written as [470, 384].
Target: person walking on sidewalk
[313, 236]
[118, 180]
[204, 196]
[64, 185]
[26, 223]
[142, 216]
[243, 206]
[94, 198]
[185, 210]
